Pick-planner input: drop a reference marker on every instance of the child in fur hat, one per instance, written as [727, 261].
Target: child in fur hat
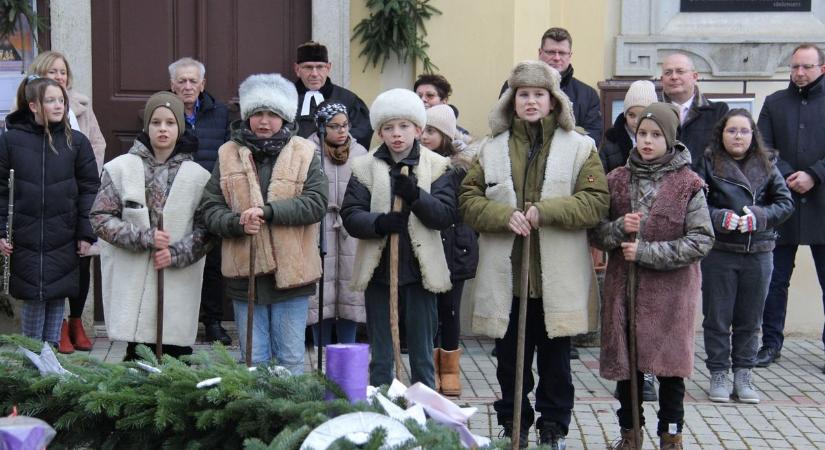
[156, 179]
[659, 222]
[535, 156]
[268, 190]
[429, 206]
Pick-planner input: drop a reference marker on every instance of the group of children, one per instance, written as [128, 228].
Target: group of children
[154, 209]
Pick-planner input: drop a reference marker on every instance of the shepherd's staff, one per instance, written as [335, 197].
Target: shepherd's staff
[396, 342]
[631, 344]
[522, 327]
[159, 321]
[250, 300]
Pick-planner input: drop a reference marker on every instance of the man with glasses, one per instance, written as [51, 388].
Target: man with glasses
[557, 50]
[791, 122]
[208, 120]
[697, 114]
[312, 68]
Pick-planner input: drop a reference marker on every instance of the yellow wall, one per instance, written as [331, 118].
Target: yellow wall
[475, 43]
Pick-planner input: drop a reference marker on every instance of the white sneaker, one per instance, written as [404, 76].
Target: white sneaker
[743, 388]
[719, 387]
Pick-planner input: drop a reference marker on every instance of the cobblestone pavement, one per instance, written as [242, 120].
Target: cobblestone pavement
[791, 414]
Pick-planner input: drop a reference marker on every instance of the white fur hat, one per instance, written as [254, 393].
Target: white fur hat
[397, 104]
[270, 92]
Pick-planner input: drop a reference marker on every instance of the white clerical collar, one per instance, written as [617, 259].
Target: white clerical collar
[319, 98]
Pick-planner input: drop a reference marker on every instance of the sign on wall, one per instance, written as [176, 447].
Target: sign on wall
[744, 5]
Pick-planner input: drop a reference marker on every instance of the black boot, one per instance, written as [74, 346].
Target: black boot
[523, 434]
[550, 434]
[213, 331]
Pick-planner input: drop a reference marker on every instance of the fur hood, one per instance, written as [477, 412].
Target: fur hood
[532, 74]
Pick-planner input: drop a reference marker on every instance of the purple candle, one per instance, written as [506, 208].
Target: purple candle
[348, 366]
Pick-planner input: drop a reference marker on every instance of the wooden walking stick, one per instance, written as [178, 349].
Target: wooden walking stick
[631, 343]
[250, 301]
[159, 321]
[396, 341]
[522, 329]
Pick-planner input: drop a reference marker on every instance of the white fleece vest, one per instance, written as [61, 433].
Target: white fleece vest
[375, 175]
[569, 289]
[129, 278]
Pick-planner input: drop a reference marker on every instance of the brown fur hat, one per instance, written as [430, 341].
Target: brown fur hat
[531, 74]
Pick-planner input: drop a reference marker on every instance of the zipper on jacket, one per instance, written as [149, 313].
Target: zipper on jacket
[753, 203]
[42, 209]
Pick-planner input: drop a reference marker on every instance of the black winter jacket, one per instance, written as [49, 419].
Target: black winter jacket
[791, 122]
[732, 186]
[616, 145]
[52, 198]
[698, 127]
[460, 241]
[435, 209]
[211, 128]
[586, 105]
[357, 111]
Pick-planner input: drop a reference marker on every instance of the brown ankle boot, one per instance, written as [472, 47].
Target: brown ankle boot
[669, 441]
[451, 372]
[65, 345]
[437, 364]
[628, 441]
[78, 335]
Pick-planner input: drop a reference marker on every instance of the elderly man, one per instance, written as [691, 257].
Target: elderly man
[697, 114]
[557, 50]
[208, 119]
[791, 122]
[312, 68]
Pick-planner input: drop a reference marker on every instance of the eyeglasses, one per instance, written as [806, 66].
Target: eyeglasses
[560, 54]
[338, 127]
[679, 72]
[795, 67]
[733, 132]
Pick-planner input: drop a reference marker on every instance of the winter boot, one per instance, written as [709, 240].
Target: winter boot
[524, 433]
[669, 441]
[550, 435]
[65, 346]
[743, 388]
[78, 335]
[628, 441]
[451, 372]
[719, 386]
[437, 364]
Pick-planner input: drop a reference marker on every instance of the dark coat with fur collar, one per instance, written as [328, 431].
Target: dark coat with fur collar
[732, 186]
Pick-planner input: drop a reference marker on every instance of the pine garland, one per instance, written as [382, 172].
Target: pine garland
[119, 406]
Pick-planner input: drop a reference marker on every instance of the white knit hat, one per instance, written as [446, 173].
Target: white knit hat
[397, 104]
[442, 118]
[641, 93]
[270, 92]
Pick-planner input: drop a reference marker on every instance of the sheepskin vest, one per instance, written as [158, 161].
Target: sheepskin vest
[375, 175]
[569, 291]
[665, 300]
[129, 278]
[290, 253]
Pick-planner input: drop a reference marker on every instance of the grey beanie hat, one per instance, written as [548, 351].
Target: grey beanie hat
[666, 116]
[168, 100]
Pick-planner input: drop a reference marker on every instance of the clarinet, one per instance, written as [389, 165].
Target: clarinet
[9, 233]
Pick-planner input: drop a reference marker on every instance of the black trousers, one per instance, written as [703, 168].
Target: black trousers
[671, 403]
[449, 318]
[554, 394]
[212, 288]
[76, 304]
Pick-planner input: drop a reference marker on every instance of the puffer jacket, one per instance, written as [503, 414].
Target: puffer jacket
[54, 190]
[211, 128]
[460, 241]
[731, 187]
[616, 145]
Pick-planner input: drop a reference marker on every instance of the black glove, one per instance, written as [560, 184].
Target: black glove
[392, 222]
[406, 187]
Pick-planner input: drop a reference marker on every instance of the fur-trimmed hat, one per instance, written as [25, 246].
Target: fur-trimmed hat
[442, 118]
[397, 104]
[311, 52]
[640, 93]
[666, 117]
[164, 99]
[270, 92]
[531, 74]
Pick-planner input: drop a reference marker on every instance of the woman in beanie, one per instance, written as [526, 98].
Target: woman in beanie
[460, 247]
[156, 179]
[535, 176]
[658, 221]
[621, 138]
[343, 307]
[747, 198]
[268, 189]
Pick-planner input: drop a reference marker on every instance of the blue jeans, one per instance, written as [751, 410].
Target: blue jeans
[344, 331]
[773, 319]
[422, 320]
[278, 332]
